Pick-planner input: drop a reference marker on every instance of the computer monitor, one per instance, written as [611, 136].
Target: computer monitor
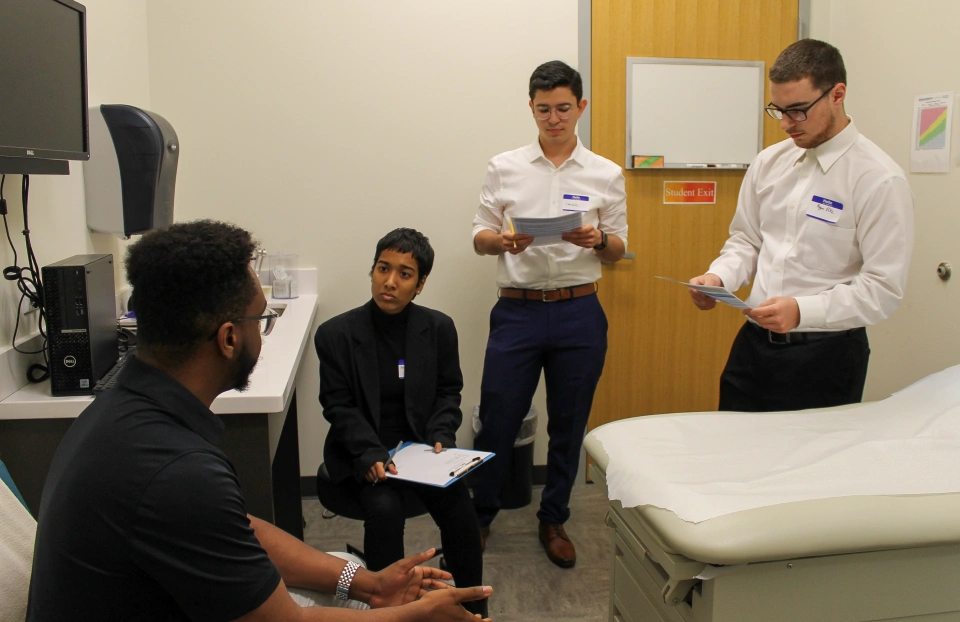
[43, 86]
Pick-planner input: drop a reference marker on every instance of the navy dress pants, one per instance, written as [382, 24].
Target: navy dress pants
[567, 341]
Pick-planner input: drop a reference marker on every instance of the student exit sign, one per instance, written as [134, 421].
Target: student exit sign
[689, 192]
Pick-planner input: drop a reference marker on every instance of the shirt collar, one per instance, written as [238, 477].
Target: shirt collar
[536, 153]
[829, 152]
[173, 398]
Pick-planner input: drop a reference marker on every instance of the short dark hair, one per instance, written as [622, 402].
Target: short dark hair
[809, 58]
[187, 280]
[555, 74]
[404, 240]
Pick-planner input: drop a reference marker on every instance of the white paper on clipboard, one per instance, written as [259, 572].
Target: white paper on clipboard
[417, 462]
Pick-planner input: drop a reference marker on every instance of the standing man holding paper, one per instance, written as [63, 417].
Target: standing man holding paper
[825, 223]
[548, 318]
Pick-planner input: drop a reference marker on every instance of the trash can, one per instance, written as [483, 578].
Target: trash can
[517, 489]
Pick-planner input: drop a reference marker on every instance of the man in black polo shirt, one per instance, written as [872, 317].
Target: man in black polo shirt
[142, 517]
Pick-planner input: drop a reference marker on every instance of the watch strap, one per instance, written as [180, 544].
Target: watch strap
[603, 241]
[346, 578]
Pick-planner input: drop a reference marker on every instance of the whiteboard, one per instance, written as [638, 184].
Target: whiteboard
[694, 113]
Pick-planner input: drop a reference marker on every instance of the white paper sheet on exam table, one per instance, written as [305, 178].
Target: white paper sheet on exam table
[703, 465]
[417, 462]
[546, 231]
[719, 294]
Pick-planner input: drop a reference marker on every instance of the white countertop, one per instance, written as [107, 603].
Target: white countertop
[270, 385]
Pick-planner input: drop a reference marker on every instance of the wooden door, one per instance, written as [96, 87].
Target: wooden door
[664, 354]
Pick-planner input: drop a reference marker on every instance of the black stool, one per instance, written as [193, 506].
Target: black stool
[339, 504]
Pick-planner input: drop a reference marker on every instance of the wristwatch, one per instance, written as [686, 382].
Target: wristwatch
[346, 578]
[603, 241]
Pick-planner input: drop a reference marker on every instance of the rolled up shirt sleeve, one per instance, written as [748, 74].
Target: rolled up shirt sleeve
[490, 211]
[613, 215]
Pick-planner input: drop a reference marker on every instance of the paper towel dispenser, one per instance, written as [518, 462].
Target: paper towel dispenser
[132, 170]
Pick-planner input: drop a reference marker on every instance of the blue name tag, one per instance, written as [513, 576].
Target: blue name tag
[827, 202]
[576, 197]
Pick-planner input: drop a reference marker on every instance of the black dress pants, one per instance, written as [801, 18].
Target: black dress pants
[451, 509]
[815, 370]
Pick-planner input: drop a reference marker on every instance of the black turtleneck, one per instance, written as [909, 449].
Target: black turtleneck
[391, 340]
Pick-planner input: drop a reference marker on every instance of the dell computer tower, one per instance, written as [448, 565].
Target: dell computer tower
[80, 306]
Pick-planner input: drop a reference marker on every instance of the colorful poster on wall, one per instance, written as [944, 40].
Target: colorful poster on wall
[930, 149]
[689, 192]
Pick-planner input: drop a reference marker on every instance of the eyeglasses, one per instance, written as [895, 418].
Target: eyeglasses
[267, 322]
[563, 111]
[794, 114]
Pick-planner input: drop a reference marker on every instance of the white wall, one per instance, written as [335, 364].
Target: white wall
[117, 73]
[320, 126]
[893, 51]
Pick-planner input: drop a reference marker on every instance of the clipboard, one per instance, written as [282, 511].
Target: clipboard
[417, 462]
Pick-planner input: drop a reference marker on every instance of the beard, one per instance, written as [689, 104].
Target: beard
[821, 137]
[245, 366]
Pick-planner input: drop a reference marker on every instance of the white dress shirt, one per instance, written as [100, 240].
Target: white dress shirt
[845, 274]
[524, 183]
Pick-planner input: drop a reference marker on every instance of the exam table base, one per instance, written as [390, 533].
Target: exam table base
[905, 584]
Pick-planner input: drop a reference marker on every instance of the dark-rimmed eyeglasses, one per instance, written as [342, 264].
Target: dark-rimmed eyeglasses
[267, 322]
[563, 112]
[794, 114]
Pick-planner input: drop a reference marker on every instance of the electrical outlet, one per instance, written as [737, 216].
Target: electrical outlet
[26, 308]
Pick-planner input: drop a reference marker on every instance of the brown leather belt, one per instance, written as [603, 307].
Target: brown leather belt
[549, 295]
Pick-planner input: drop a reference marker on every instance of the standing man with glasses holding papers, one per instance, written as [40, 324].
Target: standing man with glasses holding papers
[824, 228]
[548, 317]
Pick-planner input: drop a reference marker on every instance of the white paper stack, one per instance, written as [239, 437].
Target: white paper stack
[546, 231]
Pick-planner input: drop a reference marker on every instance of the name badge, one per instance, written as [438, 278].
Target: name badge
[576, 203]
[400, 367]
[826, 210]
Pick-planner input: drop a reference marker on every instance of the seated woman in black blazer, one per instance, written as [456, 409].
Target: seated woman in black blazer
[390, 372]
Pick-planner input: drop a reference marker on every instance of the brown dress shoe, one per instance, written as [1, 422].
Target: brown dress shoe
[557, 544]
[484, 534]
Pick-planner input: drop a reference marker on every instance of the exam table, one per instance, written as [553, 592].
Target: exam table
[832, 559]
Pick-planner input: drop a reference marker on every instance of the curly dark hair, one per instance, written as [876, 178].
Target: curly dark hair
[405, 240]
[809, 58]
[187, 280]
[554, 74]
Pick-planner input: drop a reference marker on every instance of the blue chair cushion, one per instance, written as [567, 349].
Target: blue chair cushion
[8, 480]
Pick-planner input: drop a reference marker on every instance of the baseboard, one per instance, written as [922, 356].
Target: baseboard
[308, 483]
[539, 474]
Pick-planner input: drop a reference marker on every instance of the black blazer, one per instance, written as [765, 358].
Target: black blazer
[350, 386]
